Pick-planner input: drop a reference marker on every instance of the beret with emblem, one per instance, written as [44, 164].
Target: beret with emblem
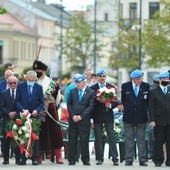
[80, 78]
[164, 75]
[39, 65]
[136, 74]
[100, 72]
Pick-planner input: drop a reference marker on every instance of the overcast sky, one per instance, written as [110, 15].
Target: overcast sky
[72, 4]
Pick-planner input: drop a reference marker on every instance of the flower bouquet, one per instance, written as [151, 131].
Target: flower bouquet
[24, 131]
[106, 94]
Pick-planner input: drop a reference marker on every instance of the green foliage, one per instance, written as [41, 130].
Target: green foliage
[78, 42]
[3, 11]
[156, 36]
[2, 70]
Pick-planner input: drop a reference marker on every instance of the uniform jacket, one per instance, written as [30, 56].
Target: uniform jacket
[135, 107]
[83, 108]
[159, 106]
[22, 98]
[100, 114]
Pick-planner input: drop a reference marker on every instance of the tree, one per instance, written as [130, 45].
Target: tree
[3, 11]
[78, 42]
[156, 37]
[124, 52]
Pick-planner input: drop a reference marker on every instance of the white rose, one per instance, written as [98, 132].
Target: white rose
[117, 130]
[14, 126]
[27, 135]
[24, 128]
[112, 90]
[16, 137]
[116, 121]
[107, 90]
[22, 142]
[20, 131]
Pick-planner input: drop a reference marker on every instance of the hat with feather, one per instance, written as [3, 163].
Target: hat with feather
[39, 64]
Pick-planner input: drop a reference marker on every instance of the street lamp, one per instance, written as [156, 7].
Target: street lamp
[61, 41]
[140, 35]
[95, 25]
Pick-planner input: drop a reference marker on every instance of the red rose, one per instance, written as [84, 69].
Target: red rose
[19, 122]
[9, 134]
[34, 136]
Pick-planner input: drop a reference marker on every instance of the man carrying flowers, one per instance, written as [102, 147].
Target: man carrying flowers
[103, 115]
[29, 100]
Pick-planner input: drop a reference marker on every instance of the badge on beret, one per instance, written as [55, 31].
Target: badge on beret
[35, 66]
[145, 96]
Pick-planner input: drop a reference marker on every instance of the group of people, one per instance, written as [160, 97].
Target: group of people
[138, 102]
[40, 96]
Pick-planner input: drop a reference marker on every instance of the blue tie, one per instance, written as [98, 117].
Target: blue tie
[101, 85]
[80, 95]
[29, 93]
[165, 90]
[136, 90]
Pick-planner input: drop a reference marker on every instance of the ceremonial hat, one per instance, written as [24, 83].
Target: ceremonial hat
[164, 75]
[136, 73]
[100, 72]
[39, 65]
[80, 78]
[155, 78]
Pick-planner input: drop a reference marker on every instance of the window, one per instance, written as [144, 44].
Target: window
[153, 7]
[133, 11]
[106, 17]
[1, 51]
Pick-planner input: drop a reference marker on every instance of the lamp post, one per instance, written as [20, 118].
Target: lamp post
[95, 25]
[61, 42]
[140, 35]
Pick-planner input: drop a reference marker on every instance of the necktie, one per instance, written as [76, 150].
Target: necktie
[101, 86]
[29, 92]
[13, 95]
[80, 95]
[136, 90]
[164, 90]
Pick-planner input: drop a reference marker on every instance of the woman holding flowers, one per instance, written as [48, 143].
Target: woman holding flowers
[103, 115]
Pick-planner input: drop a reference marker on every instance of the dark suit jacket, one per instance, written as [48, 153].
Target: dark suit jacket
[159, 106]
[3, 85]
[6, 106]
[100, 115]
[22, 98]
[83, 108]
[135, 108]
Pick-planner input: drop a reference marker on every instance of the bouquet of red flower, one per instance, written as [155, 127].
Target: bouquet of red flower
[24, 131]
[106, 94]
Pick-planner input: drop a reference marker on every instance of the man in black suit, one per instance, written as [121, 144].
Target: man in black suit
[80, 105]
[159, 113]
[8, 109]
[134, 98]
[101, 116]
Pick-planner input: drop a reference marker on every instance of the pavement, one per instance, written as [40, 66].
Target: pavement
[46, 165]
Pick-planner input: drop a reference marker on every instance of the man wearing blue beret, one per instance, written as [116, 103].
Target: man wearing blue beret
[80, 105]
[134, 98]
[159, 115]
[102, 117]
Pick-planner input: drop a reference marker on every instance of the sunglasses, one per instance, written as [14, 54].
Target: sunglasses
[12, 83]
[102, 76]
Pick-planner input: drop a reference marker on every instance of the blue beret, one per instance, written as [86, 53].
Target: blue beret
[80, 78]
[164, 75]
[101, 71]
[155, 78]
[136, 73]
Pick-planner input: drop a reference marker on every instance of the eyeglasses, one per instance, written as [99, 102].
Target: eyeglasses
[102, 76]
[12, 83]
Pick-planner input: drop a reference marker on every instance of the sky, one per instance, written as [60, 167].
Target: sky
[72, 4]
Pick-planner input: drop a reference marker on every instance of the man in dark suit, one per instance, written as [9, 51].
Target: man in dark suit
[30, 97]
[80, 105]
[101, 116]
[8, 109]
[134, 98]
[159, 113]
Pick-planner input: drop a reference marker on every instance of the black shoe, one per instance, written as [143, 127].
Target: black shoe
[34, 163]
[5, 162]
[128, 163]
[115, 162]
[71, 163]
[143, 163]
[86, 163]
[17, 162]
[167, 163]
[158, 164]
[22, 163]
[99, 162]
